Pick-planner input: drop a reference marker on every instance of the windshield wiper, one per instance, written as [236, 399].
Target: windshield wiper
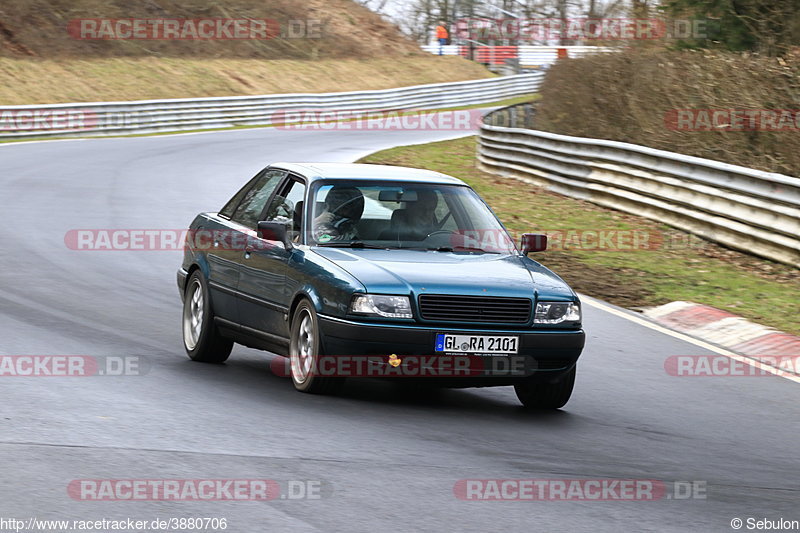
[460, 249]
[350, 244]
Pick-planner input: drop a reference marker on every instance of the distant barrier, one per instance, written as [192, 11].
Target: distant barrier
[528, 56]
[153, 116]
[742, 208]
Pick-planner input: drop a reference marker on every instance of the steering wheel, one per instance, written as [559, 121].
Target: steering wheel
[348, 202]
[440, 231]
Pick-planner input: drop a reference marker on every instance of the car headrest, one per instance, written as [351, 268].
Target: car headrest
[399, 217]
[297, 221]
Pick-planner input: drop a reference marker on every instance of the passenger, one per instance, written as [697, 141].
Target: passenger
[424, 209]
[417, 219]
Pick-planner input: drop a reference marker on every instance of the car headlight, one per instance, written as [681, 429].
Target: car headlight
[381, 305]
[557, 312]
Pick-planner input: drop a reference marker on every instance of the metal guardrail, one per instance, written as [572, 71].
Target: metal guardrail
[742, 208]
[153, 116]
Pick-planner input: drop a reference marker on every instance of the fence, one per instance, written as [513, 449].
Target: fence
[152, 116]
[528, 56]
[746, 209]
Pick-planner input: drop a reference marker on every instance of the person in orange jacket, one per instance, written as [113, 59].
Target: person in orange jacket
[441, 35]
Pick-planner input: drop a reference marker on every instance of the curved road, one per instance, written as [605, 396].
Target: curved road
[385, 459]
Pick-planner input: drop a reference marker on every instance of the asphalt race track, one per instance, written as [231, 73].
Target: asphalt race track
[386, 459]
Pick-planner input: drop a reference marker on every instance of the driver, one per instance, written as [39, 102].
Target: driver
[343, 209]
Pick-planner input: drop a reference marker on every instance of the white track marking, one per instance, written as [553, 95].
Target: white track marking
[697, 342]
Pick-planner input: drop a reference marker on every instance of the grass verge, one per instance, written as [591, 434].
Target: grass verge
[681, 267]
[32, 81]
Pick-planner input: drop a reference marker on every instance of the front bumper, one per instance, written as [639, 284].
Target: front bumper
[545, 354]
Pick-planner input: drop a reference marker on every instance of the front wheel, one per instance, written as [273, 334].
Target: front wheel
[305, 347]
[546, 395]
[201, 338]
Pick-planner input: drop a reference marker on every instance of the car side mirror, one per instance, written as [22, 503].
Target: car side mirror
[275, 231]
[533, 242]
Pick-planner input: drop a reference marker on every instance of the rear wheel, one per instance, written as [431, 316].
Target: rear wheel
[201, 338]
[546, 395]
[305, 347]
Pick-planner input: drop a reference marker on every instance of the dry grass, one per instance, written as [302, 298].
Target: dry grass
[354, 49]
[38, 28]
[28, 81]
[625, 97]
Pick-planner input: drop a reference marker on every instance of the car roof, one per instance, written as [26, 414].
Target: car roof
[355, 171]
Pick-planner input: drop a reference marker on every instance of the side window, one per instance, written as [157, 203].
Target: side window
[287, 206]
[256, 197]
[227, 211]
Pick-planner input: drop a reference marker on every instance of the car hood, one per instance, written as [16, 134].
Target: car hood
[417, 272]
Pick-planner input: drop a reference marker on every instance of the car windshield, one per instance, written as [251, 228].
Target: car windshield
[370, 214]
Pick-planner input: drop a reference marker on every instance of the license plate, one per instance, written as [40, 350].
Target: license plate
[479, 344]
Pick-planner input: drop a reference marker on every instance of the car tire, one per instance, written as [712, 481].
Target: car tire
[305, 347]
[201, 337]
[544, 395]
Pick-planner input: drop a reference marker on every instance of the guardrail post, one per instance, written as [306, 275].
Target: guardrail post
[529, 116]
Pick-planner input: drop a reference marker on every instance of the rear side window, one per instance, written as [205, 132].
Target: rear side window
[227, 211]
[255, 198]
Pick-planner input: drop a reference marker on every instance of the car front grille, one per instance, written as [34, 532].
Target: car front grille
[453, 308]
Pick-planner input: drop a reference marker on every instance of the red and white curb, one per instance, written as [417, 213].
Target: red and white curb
[725, 329]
